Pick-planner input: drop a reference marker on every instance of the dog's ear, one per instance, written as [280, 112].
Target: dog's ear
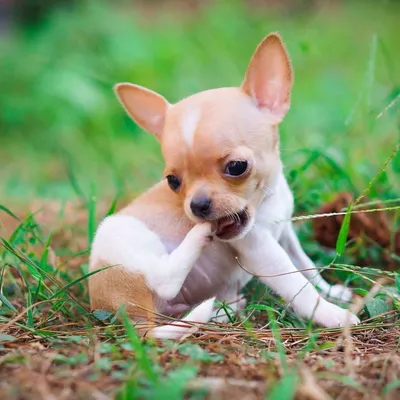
[269, 77]
[145, 107]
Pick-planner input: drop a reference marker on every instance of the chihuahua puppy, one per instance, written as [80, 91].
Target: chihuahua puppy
[224, 198]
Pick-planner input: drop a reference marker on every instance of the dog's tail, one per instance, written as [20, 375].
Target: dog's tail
[177, 329]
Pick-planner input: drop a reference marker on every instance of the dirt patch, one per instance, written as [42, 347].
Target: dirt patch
[33, 369]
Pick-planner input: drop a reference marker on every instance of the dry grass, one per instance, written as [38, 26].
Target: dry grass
[35, 369]
[64, 357]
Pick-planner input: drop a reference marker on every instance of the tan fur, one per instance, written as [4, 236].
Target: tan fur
[114, 287]
[110, 289]
[215, 143]
[160, 208]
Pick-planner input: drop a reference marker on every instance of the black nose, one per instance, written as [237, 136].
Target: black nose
[201, 207]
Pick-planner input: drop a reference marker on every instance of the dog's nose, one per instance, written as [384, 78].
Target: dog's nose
[201, 207]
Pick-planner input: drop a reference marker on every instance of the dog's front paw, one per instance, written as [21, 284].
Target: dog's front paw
[202, 232]
[341, 293]
[332, 316]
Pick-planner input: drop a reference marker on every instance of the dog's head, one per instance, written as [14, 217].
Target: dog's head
[221, 146]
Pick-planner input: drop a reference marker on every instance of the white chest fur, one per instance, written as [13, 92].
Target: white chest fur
[216, 272]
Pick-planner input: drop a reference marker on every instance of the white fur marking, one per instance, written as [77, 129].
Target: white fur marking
[189, 123]
[201, 314]
[124, 240]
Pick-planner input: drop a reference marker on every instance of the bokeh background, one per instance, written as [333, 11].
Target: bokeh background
[63, 133]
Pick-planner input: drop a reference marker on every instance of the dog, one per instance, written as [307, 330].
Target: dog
[224, 198]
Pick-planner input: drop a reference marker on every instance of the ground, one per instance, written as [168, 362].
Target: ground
[55, 348]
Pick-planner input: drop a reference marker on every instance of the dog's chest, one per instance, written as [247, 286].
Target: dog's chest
[275, 212]
[215, 270]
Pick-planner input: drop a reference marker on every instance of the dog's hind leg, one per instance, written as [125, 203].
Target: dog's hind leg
[125, 241]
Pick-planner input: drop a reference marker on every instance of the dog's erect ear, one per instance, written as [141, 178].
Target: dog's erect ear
[145, 107]
[268, 79]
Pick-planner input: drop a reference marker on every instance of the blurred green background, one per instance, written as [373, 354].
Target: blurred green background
[62, 132]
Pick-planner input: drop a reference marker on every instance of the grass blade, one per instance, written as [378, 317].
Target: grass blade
[143, 361]
[7, 303]
[343, 233]
[77, 280]
[7, 211]
[285, 388]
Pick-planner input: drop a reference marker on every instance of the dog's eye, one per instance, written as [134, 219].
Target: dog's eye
[173, 182]
[236, 168]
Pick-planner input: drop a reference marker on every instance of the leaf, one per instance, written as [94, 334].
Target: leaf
[142, 359]
[6, 338]
[376, 307]
[6, 210]
[174, 384]
[102, 315]
[6, 302]
[195, 352]
[343, 233]
[113, 207]
[285, 388]
[77, 280]
[396, 162]
[118, 313]
[45, 255]
[227, 310]
[29, 307]
[325, 346]
[391, 386]
[262, 307]
[35, 272]
[279, 345]
[103, 363]
[397, 280]
[80, 358]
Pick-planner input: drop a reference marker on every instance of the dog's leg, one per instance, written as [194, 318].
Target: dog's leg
[125, 241]
[291, 244]
[262, 256]
[172, 269]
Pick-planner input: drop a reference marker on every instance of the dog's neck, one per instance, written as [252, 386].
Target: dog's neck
[273, 183]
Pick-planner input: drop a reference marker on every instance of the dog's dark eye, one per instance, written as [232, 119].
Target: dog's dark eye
[236, 168]
[173, 182]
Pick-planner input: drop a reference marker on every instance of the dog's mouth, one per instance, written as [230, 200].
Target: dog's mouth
[232, 225]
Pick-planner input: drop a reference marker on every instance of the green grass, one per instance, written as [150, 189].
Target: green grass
[60, 120]
[63, 136]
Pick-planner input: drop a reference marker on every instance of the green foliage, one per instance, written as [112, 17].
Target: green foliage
[62, 128]
[376, 307]
[195, 352]
[285, 388]
[102, 315]
[343, 233]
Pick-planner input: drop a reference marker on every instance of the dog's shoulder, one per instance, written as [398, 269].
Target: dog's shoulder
[159, 209]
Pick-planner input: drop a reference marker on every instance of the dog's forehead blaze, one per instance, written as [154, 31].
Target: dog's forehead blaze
[209, 117]
[204, 129]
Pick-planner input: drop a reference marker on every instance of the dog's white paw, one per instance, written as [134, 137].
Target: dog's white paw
[341, 293]
[332, 316]
[201, 233]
